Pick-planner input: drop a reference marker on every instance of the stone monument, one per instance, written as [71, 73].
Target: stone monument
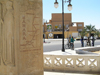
[21, 45]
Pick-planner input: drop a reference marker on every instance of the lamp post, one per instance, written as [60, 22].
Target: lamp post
[69, 8]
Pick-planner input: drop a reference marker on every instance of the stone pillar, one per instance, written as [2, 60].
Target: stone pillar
[21, 45]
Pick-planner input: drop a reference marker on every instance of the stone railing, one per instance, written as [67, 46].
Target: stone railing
[72, 63]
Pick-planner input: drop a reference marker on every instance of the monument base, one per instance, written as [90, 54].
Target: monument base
[21, 45]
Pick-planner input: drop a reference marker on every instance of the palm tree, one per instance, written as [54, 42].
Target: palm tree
[90, 29]
[83, 32]
[97, 33]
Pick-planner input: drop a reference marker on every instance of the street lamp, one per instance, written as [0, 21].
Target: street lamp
[69, 8]
[56, 4]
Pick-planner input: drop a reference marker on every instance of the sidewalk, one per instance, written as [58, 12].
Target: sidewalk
[59, 52]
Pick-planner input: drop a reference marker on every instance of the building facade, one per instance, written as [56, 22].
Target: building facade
[54, 28]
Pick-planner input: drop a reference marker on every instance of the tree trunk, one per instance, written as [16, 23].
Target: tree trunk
[89, 34]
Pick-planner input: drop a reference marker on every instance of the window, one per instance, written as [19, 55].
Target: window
[49, 27]
[56, 26]
[67, 26]
[60, 26]
[79, 24]
[79, 29]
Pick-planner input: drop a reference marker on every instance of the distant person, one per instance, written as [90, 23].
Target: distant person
[82, 42]
[72, 42]
[88, 42]
[93, 40]
[69, 42]
[57, 36]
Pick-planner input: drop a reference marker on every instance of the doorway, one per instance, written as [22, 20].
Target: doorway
[58, 36]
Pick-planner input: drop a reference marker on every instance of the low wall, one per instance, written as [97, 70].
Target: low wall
[72, 63]
[91, 49]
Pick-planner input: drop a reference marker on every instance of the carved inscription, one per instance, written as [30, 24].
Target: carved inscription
[30, 21]
[30, 36]
[29, 30]
[24, 28]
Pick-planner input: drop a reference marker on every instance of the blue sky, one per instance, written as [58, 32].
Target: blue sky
[87, 11]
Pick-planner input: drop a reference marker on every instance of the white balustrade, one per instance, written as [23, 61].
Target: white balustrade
[72, 63]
